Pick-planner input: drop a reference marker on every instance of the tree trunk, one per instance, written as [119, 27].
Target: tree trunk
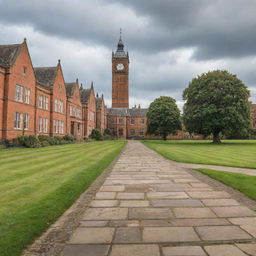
[216, 137]
[164, 136]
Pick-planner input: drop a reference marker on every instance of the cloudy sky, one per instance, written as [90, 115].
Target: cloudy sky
[169, 41]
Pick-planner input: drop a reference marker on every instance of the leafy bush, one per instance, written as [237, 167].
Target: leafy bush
[108, 137]
[69, 137]
[29, 141]
[108, 131]
[96, 135]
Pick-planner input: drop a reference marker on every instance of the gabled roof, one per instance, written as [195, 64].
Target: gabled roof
[45, 75]
[85, 94]
[8, 54]
[130, 112]
[70, 88]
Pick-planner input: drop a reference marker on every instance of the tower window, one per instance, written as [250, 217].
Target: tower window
[120, 121]
[132, 121]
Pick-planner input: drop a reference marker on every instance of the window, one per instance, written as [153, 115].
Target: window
[132, 121]
[58, 106]
[45, 125]
[19, 93]
[121, 132]
[120, 121]
[58, 126]
[27, 95]
[17, 120]
[24, 69]
[46, 103]
[112, 121]
[71, 110]
[141, 132]
[143, 121]
[25, 121]
[40, 124]
[40, 101]
[132, 132]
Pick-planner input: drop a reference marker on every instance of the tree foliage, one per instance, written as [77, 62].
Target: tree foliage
[217, 103]
[163, 117]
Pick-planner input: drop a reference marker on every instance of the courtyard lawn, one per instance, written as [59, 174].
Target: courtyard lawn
[238, 153]
[38, 185]
[242, 182]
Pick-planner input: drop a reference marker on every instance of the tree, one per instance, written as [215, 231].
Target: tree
[163, 117]
[217, 103]
[96, 134]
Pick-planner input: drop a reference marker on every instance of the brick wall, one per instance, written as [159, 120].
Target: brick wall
[21, 73]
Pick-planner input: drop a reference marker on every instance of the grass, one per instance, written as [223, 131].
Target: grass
[237, 153]
[38, 185]
[242, 182]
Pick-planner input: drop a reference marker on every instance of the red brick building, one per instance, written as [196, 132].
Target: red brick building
[101, 113]
[53, 80]
[17, 91]
[37, 101]
[74, 110]
[123, 121]
[89, 109]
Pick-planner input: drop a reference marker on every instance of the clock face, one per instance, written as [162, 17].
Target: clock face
[120, 66]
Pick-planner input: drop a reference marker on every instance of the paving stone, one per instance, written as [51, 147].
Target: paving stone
[135, 250]
[104, 203]
[136, 188]
[210, 194]
[92, 235]
[200, 185]
[105, 214]
[220, 202]
[223, 250]
[86, 250]
[105, 195]
[156, 223]
[243, 221]
[124, 223]
[199, 212]
[212, 233]
[233, 211]
[176, 203]
[200, 222]
[248, 248]
[127, 235]
[167, 195]
[112, 188]
[124, 195]
[170, 188]
[93, 223]
[251, 229]
[183, 251]
[169, 234]
[134, 203]
[185, 180]
[150, 213]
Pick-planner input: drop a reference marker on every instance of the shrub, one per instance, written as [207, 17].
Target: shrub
[30, 141]
[96, 135]
[108, 137]
[108, 131]
[69, 137]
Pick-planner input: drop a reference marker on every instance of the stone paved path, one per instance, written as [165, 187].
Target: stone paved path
[149, 207]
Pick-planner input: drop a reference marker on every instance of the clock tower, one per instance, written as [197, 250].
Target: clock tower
[120, 77]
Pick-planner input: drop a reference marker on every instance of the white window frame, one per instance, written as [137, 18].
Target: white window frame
[27, 95]
[25, 121]
[17, 120]
[40, 101]
[19, 93]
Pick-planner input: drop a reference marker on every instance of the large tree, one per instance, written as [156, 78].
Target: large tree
[163, 117]
[217, 103]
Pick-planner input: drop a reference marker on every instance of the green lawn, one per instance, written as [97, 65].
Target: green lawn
[38, 185]
[244, 183]
[238, 153]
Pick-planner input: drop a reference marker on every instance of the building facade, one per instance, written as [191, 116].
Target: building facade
[125, 122]
[37, 101]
